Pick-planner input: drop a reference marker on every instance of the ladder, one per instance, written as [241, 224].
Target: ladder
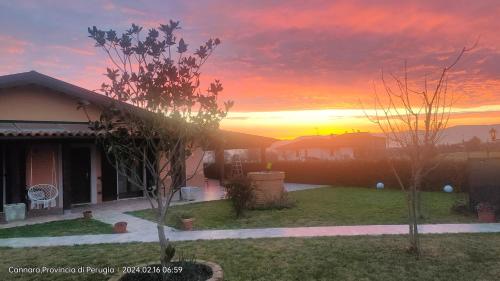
[236, 167]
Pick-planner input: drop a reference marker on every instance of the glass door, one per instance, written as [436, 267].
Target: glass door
[125, 186]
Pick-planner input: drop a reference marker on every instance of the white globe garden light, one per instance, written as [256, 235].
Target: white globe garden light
[380, 185]
[448, 188]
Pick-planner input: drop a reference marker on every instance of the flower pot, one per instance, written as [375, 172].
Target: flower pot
[120, 227]
[486, 216]
[87, 215]
[187, 224]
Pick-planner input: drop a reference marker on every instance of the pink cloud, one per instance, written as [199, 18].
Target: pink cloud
[12, 46]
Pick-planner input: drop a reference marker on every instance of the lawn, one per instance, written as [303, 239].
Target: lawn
[445, 257]
[323, 206]
[58, 228]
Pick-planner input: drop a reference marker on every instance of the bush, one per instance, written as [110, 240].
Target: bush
[461, 207]
[184, 215]
[282, 203]
[239, 191]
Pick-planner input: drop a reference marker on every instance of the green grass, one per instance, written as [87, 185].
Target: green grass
[462, 257]
[320, 207]
[58, 228]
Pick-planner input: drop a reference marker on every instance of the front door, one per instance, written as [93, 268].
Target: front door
[80, 175]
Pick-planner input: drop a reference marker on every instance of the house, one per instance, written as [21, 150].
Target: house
[45, 139]
[228, 143]
[334, 147]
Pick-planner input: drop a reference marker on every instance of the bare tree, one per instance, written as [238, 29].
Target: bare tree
[414, 120]
[160, 116]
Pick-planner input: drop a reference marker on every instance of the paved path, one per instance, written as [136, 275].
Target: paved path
[149, 234]
[301, 186]
[112, 211]
[141, 230]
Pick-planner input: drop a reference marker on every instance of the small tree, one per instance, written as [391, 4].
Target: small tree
[160, 115]
[413, 120]
[473, 144]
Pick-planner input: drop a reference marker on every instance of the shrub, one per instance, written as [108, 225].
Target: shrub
[239, 191]
[461, 207]
[282, 203]
[184, 215]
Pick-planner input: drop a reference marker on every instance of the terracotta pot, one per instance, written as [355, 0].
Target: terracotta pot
[87, 215]
[187, 224]
[486, 216]
[120, 227]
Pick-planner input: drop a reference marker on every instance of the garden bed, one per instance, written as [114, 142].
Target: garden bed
[175, 271]
[58, 228]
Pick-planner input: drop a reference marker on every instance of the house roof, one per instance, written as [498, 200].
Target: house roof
[237, 140]
[42, 80]
[231, 140]
[332, 141]
[45, 129]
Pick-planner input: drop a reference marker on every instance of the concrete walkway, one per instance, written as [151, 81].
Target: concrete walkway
[141, 230]
[149, 234]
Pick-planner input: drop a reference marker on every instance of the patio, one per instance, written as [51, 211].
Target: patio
[112, 211]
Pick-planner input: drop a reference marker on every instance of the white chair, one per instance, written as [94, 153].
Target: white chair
[43, 196]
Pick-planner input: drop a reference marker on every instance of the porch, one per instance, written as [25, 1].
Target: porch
[74, 167]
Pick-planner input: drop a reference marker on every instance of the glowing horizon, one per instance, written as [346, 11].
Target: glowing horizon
[289, 124]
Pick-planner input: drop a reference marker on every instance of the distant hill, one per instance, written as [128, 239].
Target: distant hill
[451, 135]
[456, 134]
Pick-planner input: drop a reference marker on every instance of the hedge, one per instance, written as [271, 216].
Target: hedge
[358, 173]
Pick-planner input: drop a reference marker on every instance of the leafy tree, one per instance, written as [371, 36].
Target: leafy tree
[160, 116]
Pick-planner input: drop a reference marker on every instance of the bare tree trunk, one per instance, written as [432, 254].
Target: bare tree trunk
[414, 212]
[420, 214]
[414, 238]
[160, 225]
[163, 247]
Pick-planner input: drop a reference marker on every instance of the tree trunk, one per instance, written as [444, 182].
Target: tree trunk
[420, 214]
[414, 213]
[163, 248]
[413, 223]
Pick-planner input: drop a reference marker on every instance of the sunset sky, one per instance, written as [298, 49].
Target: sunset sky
[291, 67]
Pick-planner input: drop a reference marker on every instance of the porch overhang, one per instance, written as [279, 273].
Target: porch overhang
[23, 129]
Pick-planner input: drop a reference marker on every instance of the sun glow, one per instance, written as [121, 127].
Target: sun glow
[293, 123]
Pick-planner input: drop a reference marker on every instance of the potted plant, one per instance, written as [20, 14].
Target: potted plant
[87, 214]
[120, 227]
[486, 212]
[187, 220]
